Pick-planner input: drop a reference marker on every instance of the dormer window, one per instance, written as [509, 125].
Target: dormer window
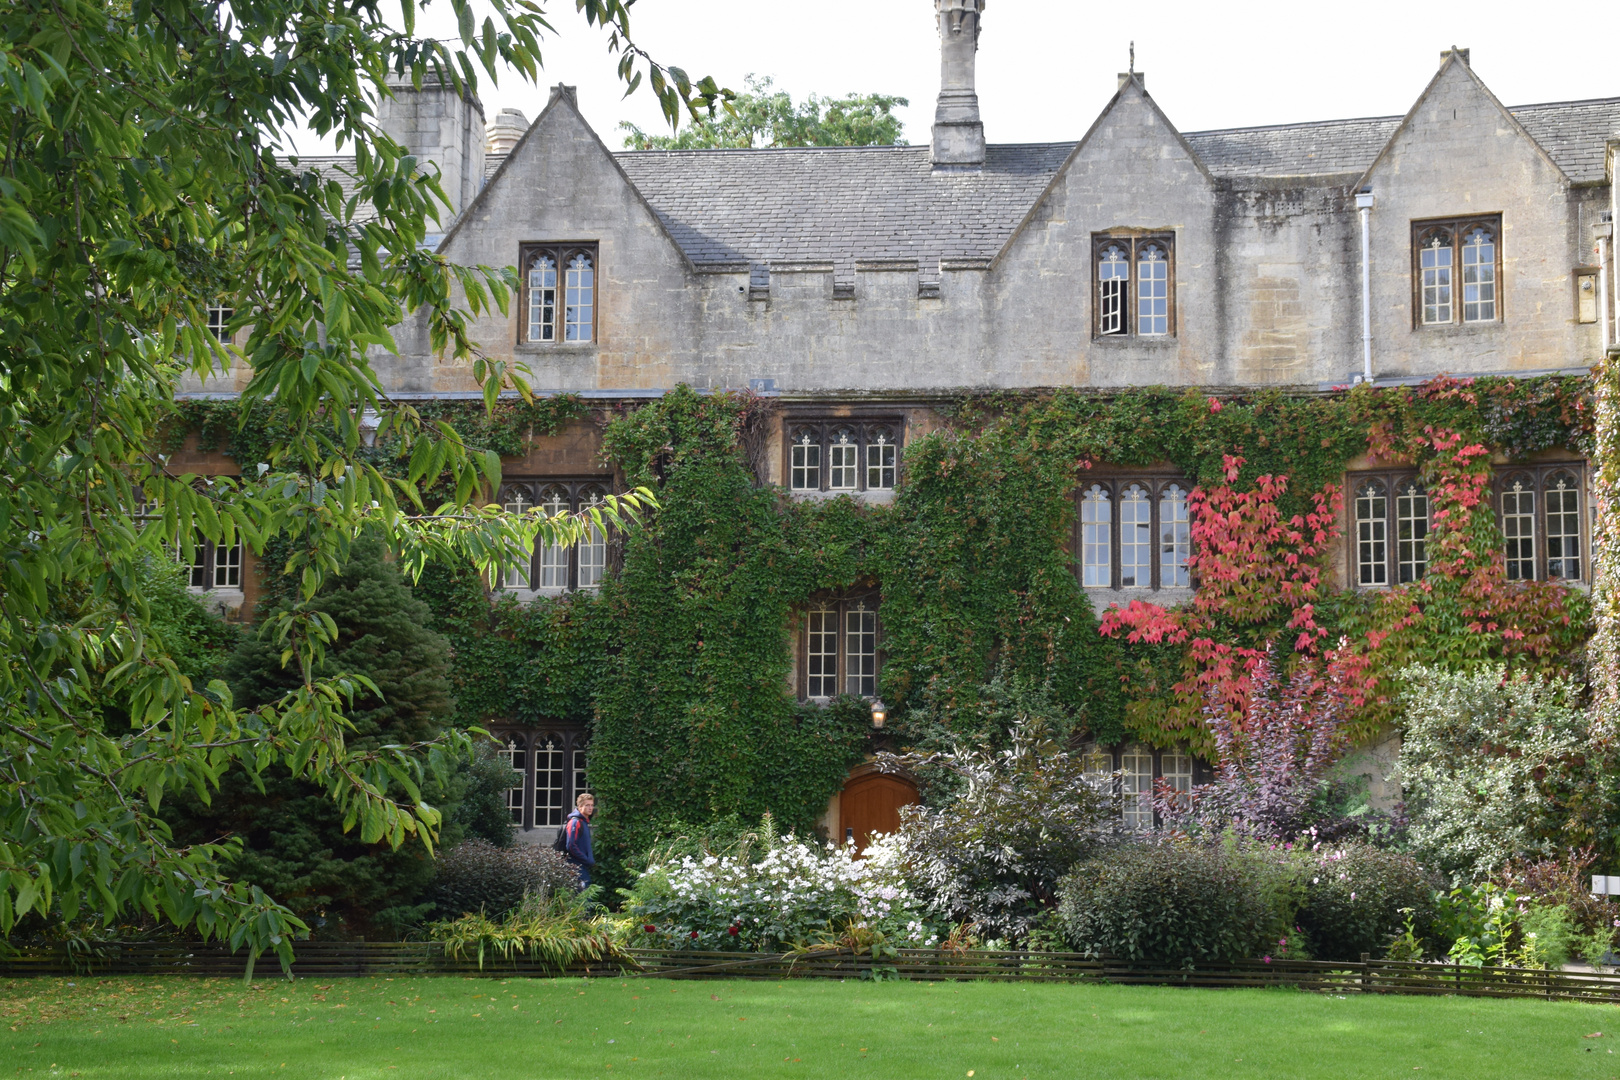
[843, 455]
[559, 288]
[1457, 271]
[1134, 286]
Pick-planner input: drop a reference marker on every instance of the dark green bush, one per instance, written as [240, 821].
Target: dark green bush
[1166, 904]
[475, 875]
[1354, 894]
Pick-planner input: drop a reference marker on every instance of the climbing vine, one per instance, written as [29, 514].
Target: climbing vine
[681, 662]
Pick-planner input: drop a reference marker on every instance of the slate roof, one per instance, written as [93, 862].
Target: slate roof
[842, 204]
[1572, 132]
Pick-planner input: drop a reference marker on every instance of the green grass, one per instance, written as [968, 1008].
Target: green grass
[534, 1029]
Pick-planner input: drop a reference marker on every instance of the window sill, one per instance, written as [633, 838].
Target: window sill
[529, 348]
[225, 601]
[1457, 329]
[1102, 598]
[1123, 341]
[524, 596]
[877, 496]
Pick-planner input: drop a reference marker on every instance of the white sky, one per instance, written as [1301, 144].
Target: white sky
[1047, 67]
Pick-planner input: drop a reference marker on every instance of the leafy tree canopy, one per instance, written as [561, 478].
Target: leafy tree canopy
[140, 182]
[761, 116]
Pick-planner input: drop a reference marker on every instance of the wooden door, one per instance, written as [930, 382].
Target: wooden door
[871, 804]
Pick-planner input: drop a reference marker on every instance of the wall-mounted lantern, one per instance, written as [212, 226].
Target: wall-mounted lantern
[880, 712]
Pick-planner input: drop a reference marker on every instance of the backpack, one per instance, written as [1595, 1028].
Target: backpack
[561, 843]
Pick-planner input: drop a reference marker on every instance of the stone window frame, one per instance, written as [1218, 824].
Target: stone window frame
[533, 491]
[1132, 239]
[573, 741]
[841, 605]
[1456, 227]
[1094, 756]
[560, 252]
[1393, 482]
[1156, 485]
[822, 432]
[1539, 478]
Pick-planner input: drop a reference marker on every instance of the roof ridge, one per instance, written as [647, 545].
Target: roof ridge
[1395, 118]
[1573, 101]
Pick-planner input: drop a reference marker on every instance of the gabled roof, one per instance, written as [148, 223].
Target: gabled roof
[733, 208]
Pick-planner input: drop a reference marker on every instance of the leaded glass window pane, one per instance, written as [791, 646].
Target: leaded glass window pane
[1152, 291]
[543, 299]
[515, 575]
[219, 318]
[1099, 769]
[1135, 538]
[1175, 538]
[593, 548]
[580, 289]
[821, 653]
[1519, 529]
[580, 786]
[1176, 769]
[806, 468]
[1411, 532]
[1372, 534]
[513, 753]
[1479, 276]
[842, 461]
[1136, 779]
[548, 784]
[860, 650]
[554, 557]
[1563, 528]
[228, 567]
[1435, 266]
[1096, 541]
[879, 459]
[1113, 276]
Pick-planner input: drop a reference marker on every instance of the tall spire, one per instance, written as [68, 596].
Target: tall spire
[958, 131]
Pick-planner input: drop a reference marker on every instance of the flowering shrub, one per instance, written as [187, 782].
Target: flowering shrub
[1357, 898]
[1010, 824]
[794, 893]
[1495, 768]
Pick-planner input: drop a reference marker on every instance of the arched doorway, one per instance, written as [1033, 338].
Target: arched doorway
[870, 803]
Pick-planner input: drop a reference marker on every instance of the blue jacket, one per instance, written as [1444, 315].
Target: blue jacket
[578, 832]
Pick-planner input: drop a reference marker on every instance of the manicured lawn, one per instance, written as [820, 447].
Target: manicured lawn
[534, 1029]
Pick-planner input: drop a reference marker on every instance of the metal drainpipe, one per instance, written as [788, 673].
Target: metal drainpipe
[1603, 231]
[1364, 204]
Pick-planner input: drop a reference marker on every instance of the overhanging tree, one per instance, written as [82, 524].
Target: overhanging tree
[763, 116]
[140, 183]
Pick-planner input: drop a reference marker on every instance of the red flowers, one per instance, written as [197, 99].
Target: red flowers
[732, 930]
[694, 935]
[650, 929]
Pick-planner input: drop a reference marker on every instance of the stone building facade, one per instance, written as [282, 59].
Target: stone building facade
[864, 286]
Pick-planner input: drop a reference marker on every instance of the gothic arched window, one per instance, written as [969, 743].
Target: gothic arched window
[548, 269]
[1372, 533]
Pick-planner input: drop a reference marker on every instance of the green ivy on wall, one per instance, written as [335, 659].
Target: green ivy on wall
[680, 663]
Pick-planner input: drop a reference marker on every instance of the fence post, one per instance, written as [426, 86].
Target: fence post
[1366, 973]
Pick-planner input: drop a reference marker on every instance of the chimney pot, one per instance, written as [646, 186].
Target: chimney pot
[508, 128]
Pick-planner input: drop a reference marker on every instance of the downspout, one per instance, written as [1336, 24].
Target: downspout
[1613, 163]
[1604, 231]
[1364, 204]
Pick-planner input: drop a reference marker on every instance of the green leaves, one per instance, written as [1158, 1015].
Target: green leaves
[141, 184]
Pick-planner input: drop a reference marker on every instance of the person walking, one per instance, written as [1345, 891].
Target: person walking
[577, 836]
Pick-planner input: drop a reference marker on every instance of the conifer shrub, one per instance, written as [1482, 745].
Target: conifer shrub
[477, 876]
[1168, 904]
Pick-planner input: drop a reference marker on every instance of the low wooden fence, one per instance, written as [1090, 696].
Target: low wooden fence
[329, 960]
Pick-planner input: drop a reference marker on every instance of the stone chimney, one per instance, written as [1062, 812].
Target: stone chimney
[436, 124]
[508, 128]
[958, 131]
